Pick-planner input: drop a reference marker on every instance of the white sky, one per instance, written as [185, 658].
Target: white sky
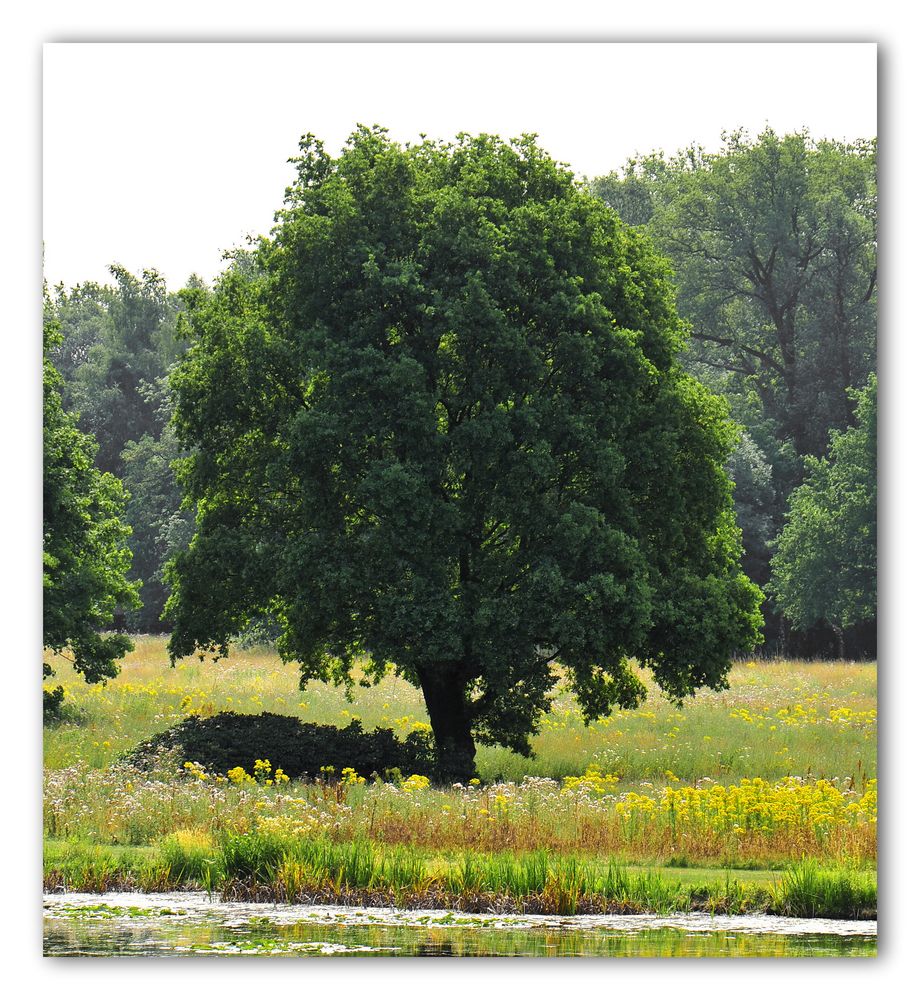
[164, 155]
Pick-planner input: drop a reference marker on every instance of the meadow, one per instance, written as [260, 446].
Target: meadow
[715, 803]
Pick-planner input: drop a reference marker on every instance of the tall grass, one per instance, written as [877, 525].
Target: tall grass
[779, 718]
[261, 866]
[745, 825]
[751, 730]
[808, 890]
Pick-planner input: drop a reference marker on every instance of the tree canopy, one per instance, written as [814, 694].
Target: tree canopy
[825, 563]
[755, 503]
[115, 348]
[86, 557]
[773, 244]
[116, 341]
[442, 424]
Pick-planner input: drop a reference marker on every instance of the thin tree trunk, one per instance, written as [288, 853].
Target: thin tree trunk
[838, 634]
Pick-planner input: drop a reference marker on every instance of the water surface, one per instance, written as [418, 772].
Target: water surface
[121, 924]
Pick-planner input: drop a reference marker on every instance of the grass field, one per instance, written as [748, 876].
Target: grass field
[779, 767]
[778, 718]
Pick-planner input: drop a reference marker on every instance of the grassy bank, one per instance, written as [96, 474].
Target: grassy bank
[357, 872]
[778, 768]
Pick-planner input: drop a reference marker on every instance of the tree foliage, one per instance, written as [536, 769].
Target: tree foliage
[755, 503]
[85, 556]
[442, 424]
[773, 242]
[825, 563]
[162, 527]
[117, 343]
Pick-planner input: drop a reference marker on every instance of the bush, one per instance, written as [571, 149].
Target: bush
[300, 749]
[52, 702]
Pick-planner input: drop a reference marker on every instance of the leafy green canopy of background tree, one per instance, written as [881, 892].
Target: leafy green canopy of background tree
[773, 244]
[443, 425]
[116, 346]
[825, 563]
[85, 555]
[117, 343]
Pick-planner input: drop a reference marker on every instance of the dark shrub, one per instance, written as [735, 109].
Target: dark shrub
[52, 700]
[300, 749]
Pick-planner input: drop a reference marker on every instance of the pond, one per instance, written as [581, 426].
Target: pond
[191, 923]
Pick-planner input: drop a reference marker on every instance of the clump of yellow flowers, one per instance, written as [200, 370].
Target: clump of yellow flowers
[415, 782]
[261, 774]
[756, 805]
[593, 780]
[194, 770]
[240, 776]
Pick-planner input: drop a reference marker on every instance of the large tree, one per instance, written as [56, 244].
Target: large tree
[442, 424]
[85, 553]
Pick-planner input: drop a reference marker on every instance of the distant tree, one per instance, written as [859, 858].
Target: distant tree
[118, 341]
[83, 319]
[773, 245]
[645, 185]
[442, 423]
[161, 527]
[117, 345]
[825, 563]
[85, 554]
[773, 242]
[755, 503]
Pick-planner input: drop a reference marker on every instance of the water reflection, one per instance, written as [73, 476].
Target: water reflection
[123, 924]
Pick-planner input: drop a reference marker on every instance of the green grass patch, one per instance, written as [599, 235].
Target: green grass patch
[777, 718]
[808, 890]
[262, 866]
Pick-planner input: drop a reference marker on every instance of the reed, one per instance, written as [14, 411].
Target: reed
[808, 890]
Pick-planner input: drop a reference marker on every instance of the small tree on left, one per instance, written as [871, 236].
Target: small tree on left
[85, 553]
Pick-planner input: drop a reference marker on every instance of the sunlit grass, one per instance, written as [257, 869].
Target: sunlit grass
[299, 869]
[749, 824]
[791, 745]
[779, 718]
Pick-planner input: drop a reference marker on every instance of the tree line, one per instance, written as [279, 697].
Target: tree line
[773, 246]
[770, 244]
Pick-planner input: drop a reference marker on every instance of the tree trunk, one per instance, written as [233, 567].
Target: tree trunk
[448, 708]
[838, 635]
